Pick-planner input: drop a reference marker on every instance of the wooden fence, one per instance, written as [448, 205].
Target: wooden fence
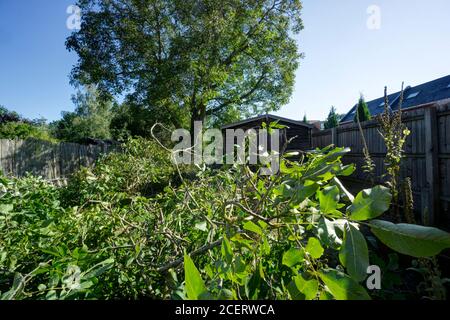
[52, 161]
[426, 158]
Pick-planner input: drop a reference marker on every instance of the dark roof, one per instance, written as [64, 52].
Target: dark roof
[270, 116]
[432, 91]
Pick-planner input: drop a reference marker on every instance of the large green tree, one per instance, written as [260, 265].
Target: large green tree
[187, 60]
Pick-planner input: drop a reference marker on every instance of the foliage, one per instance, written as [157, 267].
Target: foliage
[332, 120]
[369, 165]
[394, 134]
[14, 126]
[140, 168]
[433, 285]
[91, 118]
[298, 234]
[362, 111]
[23, 130]
[188, 60]
[8, 116]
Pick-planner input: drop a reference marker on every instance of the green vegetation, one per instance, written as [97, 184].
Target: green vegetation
[190, 60]
[332, 120]
[136, 226]
[14, 126]
[362, 111]
[91, 118]
[23, 130]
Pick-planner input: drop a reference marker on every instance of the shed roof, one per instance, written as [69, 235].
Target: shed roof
[267, 116]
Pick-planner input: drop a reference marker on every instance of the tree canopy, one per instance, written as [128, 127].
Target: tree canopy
[188, 60]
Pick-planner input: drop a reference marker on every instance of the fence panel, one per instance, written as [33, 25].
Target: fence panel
[52, 161]
[426, 158]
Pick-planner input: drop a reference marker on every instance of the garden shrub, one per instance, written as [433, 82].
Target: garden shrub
[139, 167]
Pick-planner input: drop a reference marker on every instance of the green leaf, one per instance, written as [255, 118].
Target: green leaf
[195, 287]
[347, 170]
[328, 199]
[250, 226]
[314, 248]
[370, 203]
[292, 257]
[341, 286]
[100, 268]
[308, 287]
[327, 234]
[227, 252]
[410, 239]
[343, 190]
[253, 284]
[301, 191]
[354, 254]
[325, 295]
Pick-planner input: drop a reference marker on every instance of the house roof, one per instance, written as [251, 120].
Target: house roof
[428, 92]
[265, 116]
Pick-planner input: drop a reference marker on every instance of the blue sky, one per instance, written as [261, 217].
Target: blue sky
[343, 57]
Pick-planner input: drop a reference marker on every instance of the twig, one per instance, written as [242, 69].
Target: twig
[200, 250]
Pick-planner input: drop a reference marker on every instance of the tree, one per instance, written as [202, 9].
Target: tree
[186, 60]
[332, 119]
[91, 118]
[305, 120]
[9, 116]
[362, 111]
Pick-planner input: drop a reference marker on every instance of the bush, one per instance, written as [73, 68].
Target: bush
[140, 167]
[23, 130]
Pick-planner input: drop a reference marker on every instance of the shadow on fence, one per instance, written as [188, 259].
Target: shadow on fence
[52, 161]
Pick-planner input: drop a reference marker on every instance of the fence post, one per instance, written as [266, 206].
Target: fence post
[432, 167]
[334, 139]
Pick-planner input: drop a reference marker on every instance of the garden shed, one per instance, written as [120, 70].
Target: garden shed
[300, 132]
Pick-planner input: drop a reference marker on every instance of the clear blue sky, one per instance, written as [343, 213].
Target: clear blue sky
[342, 56]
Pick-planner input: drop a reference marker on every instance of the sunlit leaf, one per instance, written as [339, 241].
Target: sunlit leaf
[342, 287]
[370, 203]
[409, 239]
[354, 254]
[314, 248]
[195, 287]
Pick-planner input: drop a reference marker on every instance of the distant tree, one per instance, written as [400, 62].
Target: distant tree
[305, 120]
[332, 119]
[91, 118]
[190, 60]
[9, 116]
[362, 111]
[15, 126]
[24, 130]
